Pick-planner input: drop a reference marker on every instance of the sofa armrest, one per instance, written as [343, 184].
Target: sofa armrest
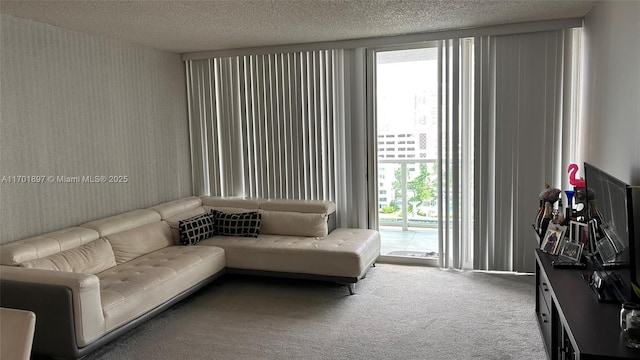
[71, 300]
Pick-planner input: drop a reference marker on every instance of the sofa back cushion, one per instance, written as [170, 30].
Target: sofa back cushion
[230, 204]
[141, 240]
[281, 216]
[177, 207]
[299, 206]
[122, 222]
[293, 223]
[17, 252]
[174, 222]
[91, 258]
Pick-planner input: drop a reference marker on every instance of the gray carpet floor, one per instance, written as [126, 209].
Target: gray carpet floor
[398, 312]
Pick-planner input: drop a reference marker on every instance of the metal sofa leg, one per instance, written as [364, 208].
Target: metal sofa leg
[352, 288]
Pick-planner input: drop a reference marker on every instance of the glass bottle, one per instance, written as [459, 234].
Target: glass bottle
[630, 324]
[558, 214]
[539, 217]
[546, 219]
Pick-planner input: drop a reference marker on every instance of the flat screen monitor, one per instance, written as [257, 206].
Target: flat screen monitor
[611, 207]
[615, 207]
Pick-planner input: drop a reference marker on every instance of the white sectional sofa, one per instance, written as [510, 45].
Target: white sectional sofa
[91, 283]
[296, 239]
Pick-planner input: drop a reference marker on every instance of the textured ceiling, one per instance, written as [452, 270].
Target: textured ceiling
[187, 26]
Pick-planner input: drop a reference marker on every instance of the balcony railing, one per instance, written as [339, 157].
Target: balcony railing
[398, 210]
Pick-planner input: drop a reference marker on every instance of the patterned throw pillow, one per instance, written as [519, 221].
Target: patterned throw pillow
[242, 224]
[196, 229]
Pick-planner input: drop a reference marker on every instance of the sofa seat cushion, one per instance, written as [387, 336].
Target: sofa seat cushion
[343, 253]
[131, 289]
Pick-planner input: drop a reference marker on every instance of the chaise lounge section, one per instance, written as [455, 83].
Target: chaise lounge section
[297, 239]
[91, 283]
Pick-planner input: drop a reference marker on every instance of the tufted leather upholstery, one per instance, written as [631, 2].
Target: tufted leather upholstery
[139, 241]
[344, 252]
[91, 258]
[44, 245]
[151, 273]
[137, 286]
[122, 222]
[85, 288]
[177, 207]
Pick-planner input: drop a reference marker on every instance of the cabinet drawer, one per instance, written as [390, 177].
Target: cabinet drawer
[544, 318]
[543, 288]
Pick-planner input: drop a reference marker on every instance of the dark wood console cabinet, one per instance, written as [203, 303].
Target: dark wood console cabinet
[573, 324]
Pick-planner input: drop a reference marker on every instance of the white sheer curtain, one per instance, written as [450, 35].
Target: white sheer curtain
[273, 126]
[521, 111]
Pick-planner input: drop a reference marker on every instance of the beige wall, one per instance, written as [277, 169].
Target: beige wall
[611, 101]
[74, 104]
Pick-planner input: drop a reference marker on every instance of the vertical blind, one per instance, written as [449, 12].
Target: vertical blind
[455, 153]
[264, 125]
[504, 115]
[297, 125]
[520, 116]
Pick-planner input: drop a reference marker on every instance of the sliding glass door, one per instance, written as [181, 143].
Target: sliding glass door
[407, 156]
[424, 124]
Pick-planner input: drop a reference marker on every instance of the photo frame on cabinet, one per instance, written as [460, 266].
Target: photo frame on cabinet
[551, 243]
[579, 232]
[571, 251]
[606, 250]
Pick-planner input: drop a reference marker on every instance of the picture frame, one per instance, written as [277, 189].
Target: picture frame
[552, 239]
[571, 251]
[606, 250]
[579, 232]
